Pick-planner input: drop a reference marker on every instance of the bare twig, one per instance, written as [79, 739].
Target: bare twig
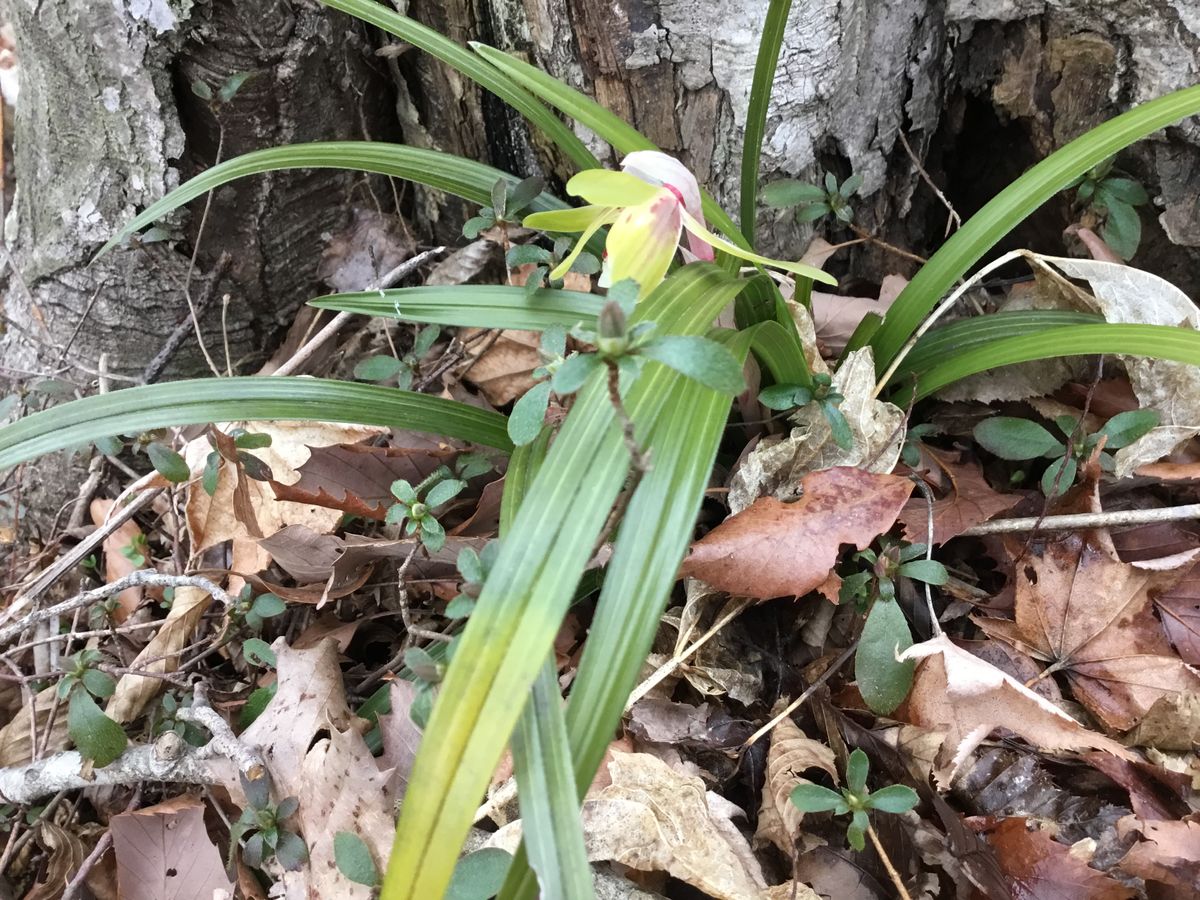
[176, 338]
[676, 661]
[1087, 520]
[882, 244]
[135, 579]
[954, 220]
[70, 559]
[170, 758]
[326, 334]
[887, 864]
[808, 692]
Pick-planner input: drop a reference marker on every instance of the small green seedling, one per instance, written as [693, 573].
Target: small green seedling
[509, 201]
[405, 369]
[260, 827]
[165, 718]
[253, 611]
[474, 568]
[414, 506]
[1114, 199]
[429, 673]
[135, 551]
[883, 680]
[855, 799]
[910, 453]
[812, 201]
[95, 735]
[529, 412]
[1021, 440]
[545, 261]
[788, 397]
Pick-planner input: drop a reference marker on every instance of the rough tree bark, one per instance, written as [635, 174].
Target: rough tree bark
[107, 122]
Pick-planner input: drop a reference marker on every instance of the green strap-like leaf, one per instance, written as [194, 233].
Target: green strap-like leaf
[466, 63]
[1154, 341]
[463, 177]
[240, 399]
[524, 598]
[1013, 205]
[756, 115]
[473, 306]
[654, 535]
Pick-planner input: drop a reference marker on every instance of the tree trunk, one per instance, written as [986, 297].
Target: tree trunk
[108, 121]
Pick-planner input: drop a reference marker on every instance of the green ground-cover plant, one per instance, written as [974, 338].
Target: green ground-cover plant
[568, 485]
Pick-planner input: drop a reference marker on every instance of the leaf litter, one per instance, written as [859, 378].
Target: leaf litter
[1050, 735]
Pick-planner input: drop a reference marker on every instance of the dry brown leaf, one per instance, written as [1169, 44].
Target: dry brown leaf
[1039, 867]
[343, 790]
[212, 520]
[163, 852]
[368, 248]
[159, 656]
[310, 698]
[505, 370]
[16, 746]
[1086, 613]
[1172, 723]
[1179, 608]
[655, 819]
[956, 692]
[791, 754]
[776, 549]
[401, 736]
[66, 855]
[1169, 852]
[116, 564]
[777, 467]
[970, 501]
[357, 478]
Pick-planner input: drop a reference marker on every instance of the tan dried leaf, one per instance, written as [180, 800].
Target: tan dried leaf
[160, 656]
[1172, 724]
[16, 746]
[655, 819]
[956, 692]
[212, 520]
[791, 754]
[163, 852]
[1169, 853]
[505, 370]
[777, 468]
[310, 698]
[116, 564]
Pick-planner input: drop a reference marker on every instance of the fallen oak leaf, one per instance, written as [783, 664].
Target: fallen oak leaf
[776, 549]
[961, 694]
[357, 478]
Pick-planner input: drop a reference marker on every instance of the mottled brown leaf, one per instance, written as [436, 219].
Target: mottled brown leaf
[960, 694]
[1040, 868]
[776, 549]
[1179, 609]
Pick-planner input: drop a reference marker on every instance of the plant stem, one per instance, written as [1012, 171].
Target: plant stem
[887, 864]
[641, 460]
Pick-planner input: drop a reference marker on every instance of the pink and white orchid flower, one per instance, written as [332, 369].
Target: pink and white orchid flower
[648, 205]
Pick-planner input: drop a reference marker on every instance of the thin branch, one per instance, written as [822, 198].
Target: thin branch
[135, 579]
[170, 758]
[1087, 520]
[326, 334]
[808, 692]
[887, 864]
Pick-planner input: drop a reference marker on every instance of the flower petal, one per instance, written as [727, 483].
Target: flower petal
[642, 242]
[698, 230]
[608, 188]
[564, 220]
[658, 168]
[602, 218]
